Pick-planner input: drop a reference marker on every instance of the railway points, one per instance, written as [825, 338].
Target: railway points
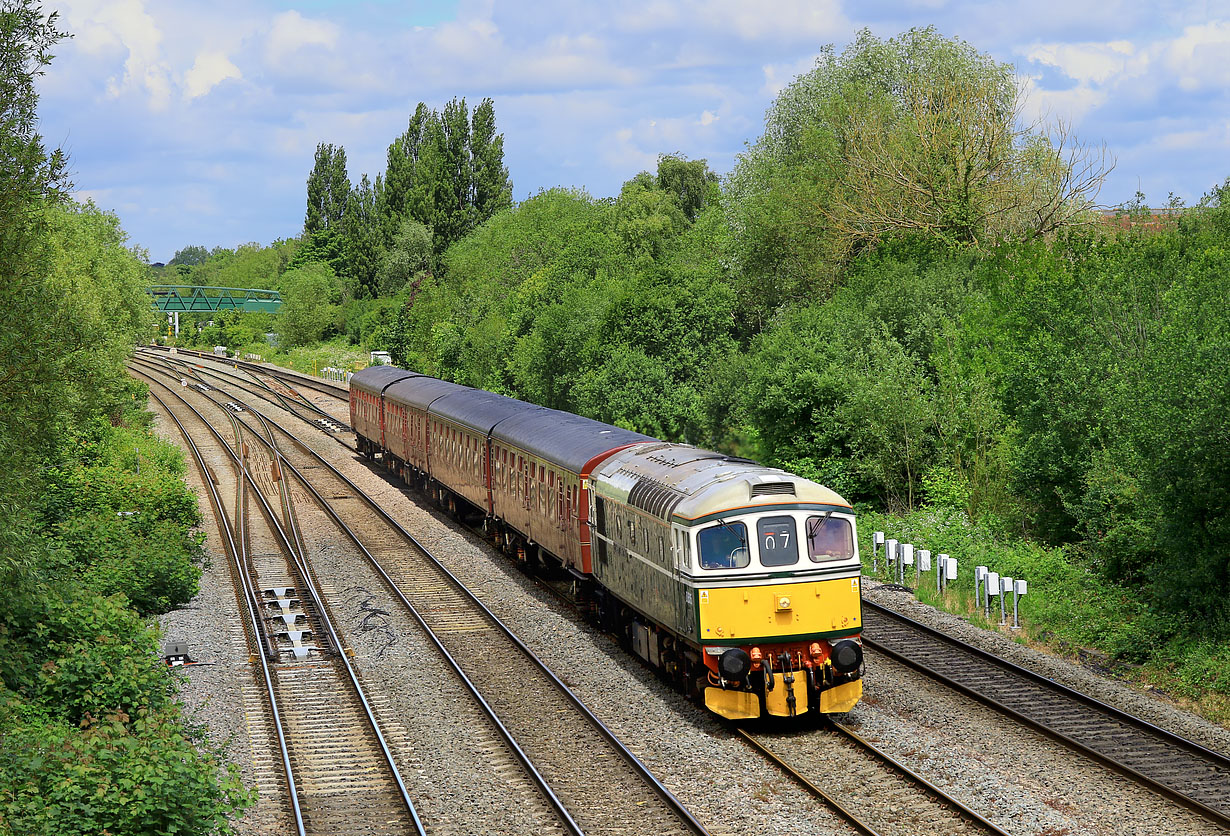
[339, 395]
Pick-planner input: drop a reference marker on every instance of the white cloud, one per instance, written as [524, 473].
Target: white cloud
[707, 118]
[1086, 63]
[794, 20]
[210, 70]
[1197, 58]
[125, 26]
[292, 32]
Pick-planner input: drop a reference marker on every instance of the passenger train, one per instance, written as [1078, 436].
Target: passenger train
[739, 582]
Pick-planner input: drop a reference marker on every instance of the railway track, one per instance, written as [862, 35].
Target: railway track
[875, 794]
[1185, 772]
[1176, 768]
[540, 717]
[270, 388]
[339, 770]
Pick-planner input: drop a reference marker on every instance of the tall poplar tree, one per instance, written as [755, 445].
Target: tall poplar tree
[492, 186]
[328, 188]
[445, 172]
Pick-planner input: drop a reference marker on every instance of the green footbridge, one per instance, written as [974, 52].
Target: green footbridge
[193, 299]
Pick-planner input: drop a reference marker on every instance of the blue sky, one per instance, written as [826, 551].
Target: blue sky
[197, 122]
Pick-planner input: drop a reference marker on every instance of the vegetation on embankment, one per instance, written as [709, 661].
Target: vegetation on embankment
[890, 297]
[96, 524]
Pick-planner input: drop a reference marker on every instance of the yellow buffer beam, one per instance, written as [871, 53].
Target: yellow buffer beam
[763, 613]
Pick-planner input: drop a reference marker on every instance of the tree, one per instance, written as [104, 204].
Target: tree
[403, 195]
[406, 260]
[492, 186]
[692, 184]
[310, 294]
[446, 172]
[190, 256]
[920, 135]
[361, 240]
[328, 188]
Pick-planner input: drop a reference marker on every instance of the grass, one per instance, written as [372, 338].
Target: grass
[337, 353]
[1069, 610]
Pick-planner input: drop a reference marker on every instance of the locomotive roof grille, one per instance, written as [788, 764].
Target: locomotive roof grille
[773, 488]
[654, 498]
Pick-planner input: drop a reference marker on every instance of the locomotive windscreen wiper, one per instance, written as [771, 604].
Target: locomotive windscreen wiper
[731, 529]
[814, 528]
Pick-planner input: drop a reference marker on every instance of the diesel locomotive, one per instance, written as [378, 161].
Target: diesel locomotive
[738, 581]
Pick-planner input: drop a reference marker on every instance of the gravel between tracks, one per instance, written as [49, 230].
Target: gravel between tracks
[1018, 779]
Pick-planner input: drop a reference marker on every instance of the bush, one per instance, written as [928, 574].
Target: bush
[94, 656]
[134, 775]
[153, 564]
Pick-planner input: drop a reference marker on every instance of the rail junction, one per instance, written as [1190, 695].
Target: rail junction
[462, 629]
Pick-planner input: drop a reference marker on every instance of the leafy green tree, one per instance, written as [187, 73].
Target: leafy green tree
[328, 188]
[407, 259]
[916, 135]
[190, 256]
[310, 297]
[404, 195]
[492, 185]
[361, 240]
[446, 172]
[691, 182]
[647, 218]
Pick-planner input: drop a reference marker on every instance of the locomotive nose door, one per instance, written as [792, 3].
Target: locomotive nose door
[685, 614]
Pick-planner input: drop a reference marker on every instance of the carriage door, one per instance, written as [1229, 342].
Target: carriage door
[600, 528]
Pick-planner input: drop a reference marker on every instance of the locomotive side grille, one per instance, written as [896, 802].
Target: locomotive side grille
[654, 498]
[772, 488]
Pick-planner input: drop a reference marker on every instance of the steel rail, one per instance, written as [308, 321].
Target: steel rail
[841, 810]
[1059, 690]
[667, 796]
[327, 507]
[289, 405]
[386, 751]
[267, 676]
[319, 384]
[928, 787]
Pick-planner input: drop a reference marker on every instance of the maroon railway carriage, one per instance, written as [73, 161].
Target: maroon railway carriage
[540, 486]
[366, 415]
[408, 443]
[525, 467]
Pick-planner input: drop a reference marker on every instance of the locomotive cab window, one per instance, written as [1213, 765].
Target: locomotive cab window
[777, 541]
[829, 538]
[723, 546]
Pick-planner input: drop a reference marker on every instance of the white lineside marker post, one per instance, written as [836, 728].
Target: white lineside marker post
[877, 540]
[950, 569]
[980, 572]
[1019, 588]
[907, 559]
[990, 586]
[924, 565]
[890, 556]
[941, 573]
[1005, 586]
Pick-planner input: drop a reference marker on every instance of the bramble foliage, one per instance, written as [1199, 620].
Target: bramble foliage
[140, 775]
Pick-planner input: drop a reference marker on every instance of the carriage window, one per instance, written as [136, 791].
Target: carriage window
[723, 546]
[777, 541]
[829, 538]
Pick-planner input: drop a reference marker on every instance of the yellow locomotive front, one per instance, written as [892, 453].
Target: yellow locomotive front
[778, 610]
[741, 581]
